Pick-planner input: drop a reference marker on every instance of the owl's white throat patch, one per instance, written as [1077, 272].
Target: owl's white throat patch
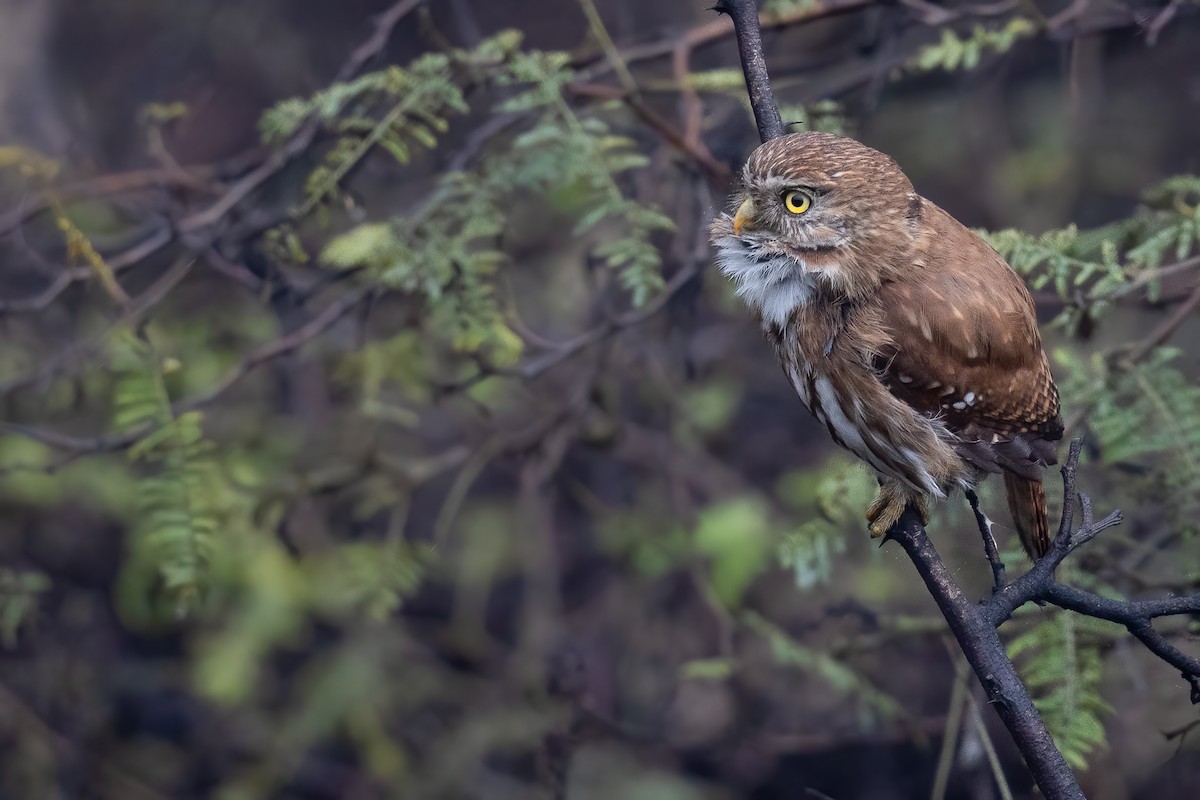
[774, 285]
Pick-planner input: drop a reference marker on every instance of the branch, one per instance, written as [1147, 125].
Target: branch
[754, 65]
[83, 348]
[1034, 583]
[989, 541]
[695, 150]
[81, 446]
[1136, 615]
[977, 636]
[202, 221]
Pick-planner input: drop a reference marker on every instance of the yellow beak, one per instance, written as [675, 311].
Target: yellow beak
[744, 215]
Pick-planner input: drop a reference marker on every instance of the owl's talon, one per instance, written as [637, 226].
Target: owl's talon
[888, 506]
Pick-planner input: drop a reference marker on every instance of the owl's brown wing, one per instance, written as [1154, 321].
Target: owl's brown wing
[965, 348]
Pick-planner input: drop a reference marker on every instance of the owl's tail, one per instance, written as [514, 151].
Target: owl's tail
[1027, 503]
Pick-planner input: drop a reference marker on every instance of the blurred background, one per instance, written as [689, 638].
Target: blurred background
[372, 423]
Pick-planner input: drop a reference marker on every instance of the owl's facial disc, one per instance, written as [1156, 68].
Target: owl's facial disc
[779, 216]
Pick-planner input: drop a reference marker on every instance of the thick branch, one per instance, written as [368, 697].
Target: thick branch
[977, 636]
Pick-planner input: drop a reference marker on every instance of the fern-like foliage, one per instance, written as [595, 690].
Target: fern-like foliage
[447, 257]
[562, 150]
[1090, 268]
[1145, 416]
[373, 577]
[176, 520]
[1059, 662]
[832, 499]
[953, 52]
[394, 109]
[447, 253]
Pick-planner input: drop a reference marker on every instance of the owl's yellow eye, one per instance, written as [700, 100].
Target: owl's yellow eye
[797, 202]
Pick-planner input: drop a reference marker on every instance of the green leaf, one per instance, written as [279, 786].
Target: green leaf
[736, 537]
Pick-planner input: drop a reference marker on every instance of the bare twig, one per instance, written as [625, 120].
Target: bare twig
[596, 26]
[385, 23]
[284, 344]
[117, 263]
[1156, 26]
[201, 179]
[1135, 615]
[989, 541]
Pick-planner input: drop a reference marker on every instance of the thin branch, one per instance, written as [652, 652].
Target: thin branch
[302, 138]
[117, 263]
[1165, 329]
[284, 344]
[716, 30]
[80, 446]
[83, 348]
[695, 150]
[989, 541]
[385, 23]
[596, 26]
[708, 33]
[200, 179]
[1136, 615]
[754, 66]
[1156, 26]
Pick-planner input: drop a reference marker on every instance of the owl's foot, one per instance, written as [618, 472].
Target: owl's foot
[888, 505]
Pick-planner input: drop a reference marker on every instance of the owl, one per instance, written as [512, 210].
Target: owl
[903, 332]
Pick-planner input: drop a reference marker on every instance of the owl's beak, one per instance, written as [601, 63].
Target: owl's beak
[744, 216]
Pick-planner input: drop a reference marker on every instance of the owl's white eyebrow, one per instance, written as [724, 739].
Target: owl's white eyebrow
[779, 183]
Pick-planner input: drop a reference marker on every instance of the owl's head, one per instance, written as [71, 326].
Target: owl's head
[817, 214]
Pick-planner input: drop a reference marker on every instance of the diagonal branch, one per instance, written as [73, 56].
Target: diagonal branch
[980, 642]
[754, 65]
[76, 447]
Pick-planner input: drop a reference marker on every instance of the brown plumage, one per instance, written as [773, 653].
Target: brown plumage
[902, 331]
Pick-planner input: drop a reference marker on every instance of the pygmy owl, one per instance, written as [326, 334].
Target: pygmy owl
[912, 341]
